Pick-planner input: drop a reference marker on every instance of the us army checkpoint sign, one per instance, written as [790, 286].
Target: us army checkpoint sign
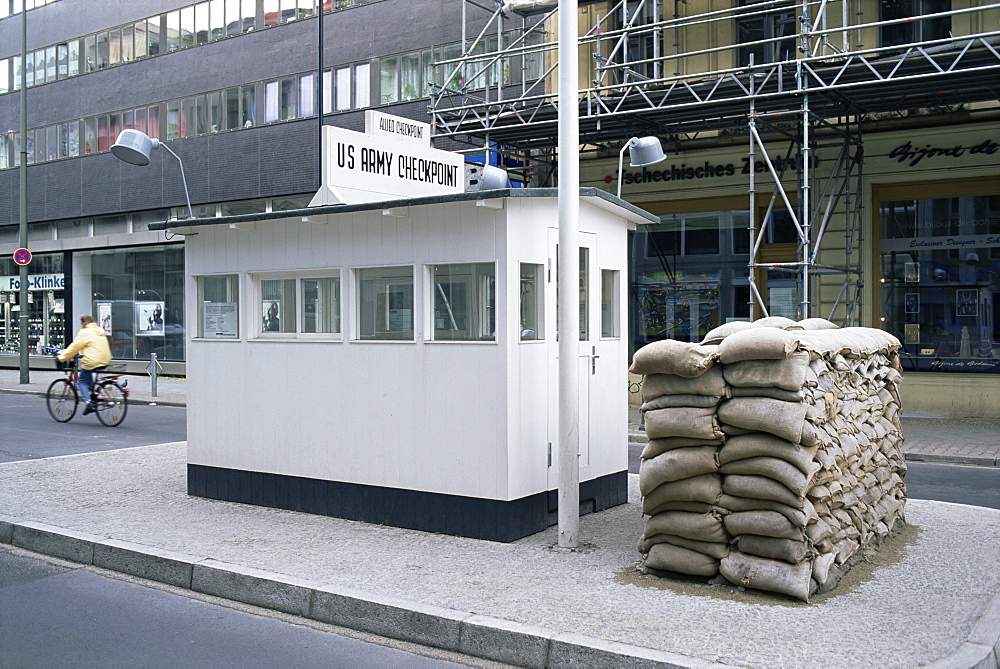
[378, 165]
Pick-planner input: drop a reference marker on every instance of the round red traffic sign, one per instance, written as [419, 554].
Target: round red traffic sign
[22, 256]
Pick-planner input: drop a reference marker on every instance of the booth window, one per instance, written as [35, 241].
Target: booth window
[584, 293]
[303, 305]
[532, 294]
[464, 301]
[219, 300]
[610, 286]
[385, 303]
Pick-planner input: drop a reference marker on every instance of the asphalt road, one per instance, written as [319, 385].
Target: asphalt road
[57, 614]
[27, 431]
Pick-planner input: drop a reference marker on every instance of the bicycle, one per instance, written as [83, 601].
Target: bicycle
[110, 398]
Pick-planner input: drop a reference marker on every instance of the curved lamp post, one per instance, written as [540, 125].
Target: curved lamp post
[134, 148]
[642, 151]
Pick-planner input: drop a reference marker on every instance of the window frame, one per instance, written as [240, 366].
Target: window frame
[479, 297]
[361, 301]
[233, 288]
[295, 331]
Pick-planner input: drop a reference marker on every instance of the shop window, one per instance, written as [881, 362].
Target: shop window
[385, 303]
[464, 299]
[532, 302]
[218, 306]
[610, 303]
[940, 263]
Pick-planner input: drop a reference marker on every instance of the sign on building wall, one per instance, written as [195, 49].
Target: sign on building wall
[391, 160]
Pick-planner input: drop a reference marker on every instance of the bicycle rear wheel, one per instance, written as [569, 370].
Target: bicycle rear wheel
[110, 403]
[62, 399]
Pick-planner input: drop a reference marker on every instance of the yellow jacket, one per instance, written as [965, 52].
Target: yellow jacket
[94, 344]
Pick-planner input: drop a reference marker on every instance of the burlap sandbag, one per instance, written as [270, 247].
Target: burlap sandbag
[757, 344]
[698, 526]
[710, 383]
[798, 517]
[817, 324]
[760, 487]
[761, 523]
[716, 335]
[783, 419]
[670, 356]
[681, 463]
[674, 505]
[697, 423]
[656, 446]
[776, 322]
[706, 488]
[777, 469]
[716, 550]
[666, 401]
[766, 574]
[786, 550]
[821, 567]
[788, 373]
[773, 393]
[758, 444]
[667, 557]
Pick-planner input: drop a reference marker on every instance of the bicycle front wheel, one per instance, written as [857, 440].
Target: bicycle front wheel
[62, 398]
[110, 403]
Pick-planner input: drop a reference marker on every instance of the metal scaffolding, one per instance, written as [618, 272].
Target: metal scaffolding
[795, 78]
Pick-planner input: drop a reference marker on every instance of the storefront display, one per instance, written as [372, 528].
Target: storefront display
[940, 281]
[46, 304]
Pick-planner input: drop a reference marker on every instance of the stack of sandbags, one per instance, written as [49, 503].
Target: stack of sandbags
[810, 466]
[679, 473]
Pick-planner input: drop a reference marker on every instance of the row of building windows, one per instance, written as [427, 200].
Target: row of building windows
[12, 7]
[401, 78]
[194, 25]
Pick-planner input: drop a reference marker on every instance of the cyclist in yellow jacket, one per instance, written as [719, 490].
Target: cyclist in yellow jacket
[92, 342]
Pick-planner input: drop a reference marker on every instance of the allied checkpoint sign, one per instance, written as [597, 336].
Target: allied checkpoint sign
[391, 160]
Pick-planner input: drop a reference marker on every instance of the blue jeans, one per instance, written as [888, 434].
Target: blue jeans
[86, 382]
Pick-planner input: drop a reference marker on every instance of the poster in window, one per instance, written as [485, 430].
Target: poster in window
[912, 333]
[911, 303]
[911, 272]
[149, 319]
[104, 316]
[271, 316]
[967, 302]
[220, 320]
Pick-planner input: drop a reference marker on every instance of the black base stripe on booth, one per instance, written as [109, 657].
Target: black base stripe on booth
[473, 517]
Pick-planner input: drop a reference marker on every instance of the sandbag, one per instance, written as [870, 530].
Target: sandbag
[668, 557]
[693, 507]
[793, 580]
[761, 523]
[763, 343]
[798, 517]
[776, 322]
[706, 488]
[788, 373]
[713, 549]
[697, 423]
[817, 324]
[674, 465]
[716, 335]
[670, 356]
[709, 383]
[760, 487]
[699, 526]
[656, 446]
[787, 550]
[777, 469]
[763, 414]
[665, 401]
[757, 444]
[765, 391]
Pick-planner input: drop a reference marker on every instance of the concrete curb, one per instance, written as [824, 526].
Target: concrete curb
[131, 400]
[415, 622]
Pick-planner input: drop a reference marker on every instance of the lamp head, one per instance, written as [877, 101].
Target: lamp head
[134, 147]
[644, 151]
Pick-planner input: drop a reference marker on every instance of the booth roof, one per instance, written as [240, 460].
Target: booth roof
[596, 196]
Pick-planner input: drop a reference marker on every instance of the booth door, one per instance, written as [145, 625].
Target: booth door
[589, 306]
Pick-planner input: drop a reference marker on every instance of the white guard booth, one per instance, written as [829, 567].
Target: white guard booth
[396, 362]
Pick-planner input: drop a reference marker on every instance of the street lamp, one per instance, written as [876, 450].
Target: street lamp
[134, 148]
[642, 151]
